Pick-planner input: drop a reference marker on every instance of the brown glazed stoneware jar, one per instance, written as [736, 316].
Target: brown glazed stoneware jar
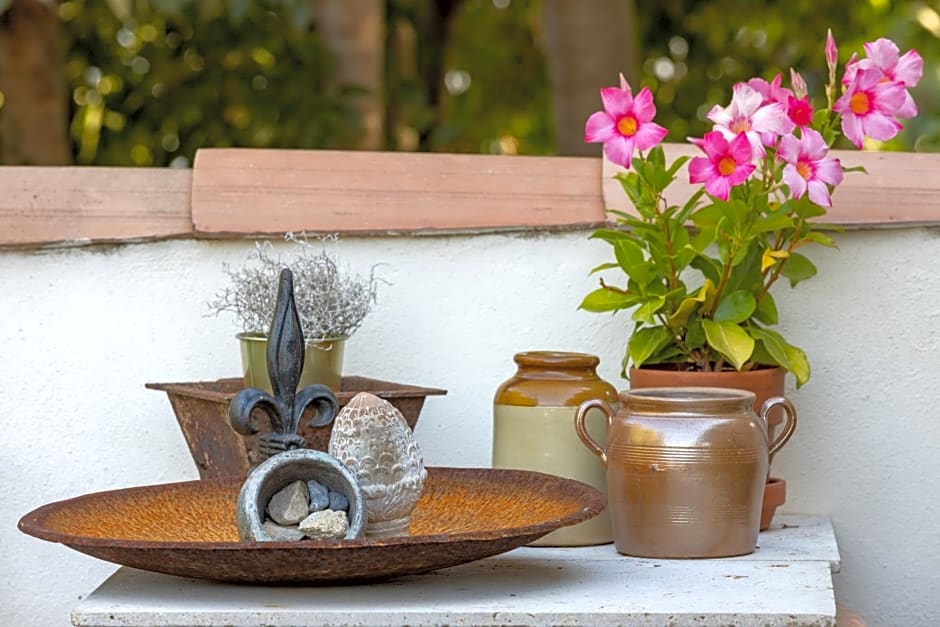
[533, 420]
[686, 469]
[765, 383]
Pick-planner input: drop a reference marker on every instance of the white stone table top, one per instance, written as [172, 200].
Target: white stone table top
[786, 581]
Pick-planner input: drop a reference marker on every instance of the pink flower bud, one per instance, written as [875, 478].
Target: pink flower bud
[798, 84]
[624, 85]
[832, 53]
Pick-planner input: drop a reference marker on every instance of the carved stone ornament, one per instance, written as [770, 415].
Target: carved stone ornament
[372, 439]
[288, 460]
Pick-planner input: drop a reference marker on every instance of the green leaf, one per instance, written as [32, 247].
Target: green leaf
[855, 168]
[820, 118]
[709, 269]
[784, 354]
[604, 266]
[630, 183]
[609, 235]
[646, 311]
[806, 209]
[603, 299]
[695, 334]
[707, 216]
[774, 222]
[799, 365]
[669, 353]
[690, 205]
[688, 305]
[657, 157]
[821, 238]
[730, 340]
[762, 356]
[678, 163]
[735, 307]
[630, 257]
[646, 342]
[766, 310]
[798, 268]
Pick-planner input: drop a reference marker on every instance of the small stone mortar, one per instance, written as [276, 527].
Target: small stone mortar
[285, 468]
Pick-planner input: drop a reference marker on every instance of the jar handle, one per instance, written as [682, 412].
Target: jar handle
[583, 409]
[784, 436]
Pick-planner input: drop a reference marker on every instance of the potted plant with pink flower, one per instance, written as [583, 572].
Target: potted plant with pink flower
[698, 275]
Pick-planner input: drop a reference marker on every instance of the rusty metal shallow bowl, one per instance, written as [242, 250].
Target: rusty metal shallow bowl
[188, 529]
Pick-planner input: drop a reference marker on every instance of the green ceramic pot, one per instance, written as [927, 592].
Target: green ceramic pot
[323, 362]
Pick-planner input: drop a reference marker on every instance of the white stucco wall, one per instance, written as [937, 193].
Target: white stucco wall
[83, 329]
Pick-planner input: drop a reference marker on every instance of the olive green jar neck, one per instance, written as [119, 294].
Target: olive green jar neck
[688, 401]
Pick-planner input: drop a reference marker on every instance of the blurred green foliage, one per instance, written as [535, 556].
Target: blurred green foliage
[153, 81]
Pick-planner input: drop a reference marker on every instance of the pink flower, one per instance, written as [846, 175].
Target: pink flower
[884, 56]
[770, 92]
[808, 167]
[624, 124]
[800, 111]
[868, 106]
[747, 114]
[726, 165]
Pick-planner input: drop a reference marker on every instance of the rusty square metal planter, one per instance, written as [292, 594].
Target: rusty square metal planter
[201, 409]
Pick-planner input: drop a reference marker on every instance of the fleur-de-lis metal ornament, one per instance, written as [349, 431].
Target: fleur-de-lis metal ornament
[285, 363]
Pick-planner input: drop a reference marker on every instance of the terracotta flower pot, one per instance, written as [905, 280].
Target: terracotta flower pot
[775, 495]
[763, 382]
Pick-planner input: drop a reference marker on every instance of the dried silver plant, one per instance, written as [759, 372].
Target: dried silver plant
[331, 303]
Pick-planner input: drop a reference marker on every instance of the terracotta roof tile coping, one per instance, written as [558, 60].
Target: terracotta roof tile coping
[239, 193]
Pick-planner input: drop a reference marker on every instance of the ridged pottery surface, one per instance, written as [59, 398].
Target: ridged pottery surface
[686, 469]
[765, 383]
[373, 440]
[188, 529]
[533, 429]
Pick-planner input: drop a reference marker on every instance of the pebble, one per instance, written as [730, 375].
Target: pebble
[325, 524]
[338, 501]
[281, 534]
[319, 496]
[290, 504]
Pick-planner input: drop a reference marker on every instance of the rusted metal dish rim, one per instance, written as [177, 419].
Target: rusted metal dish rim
[31, 523]
[394, 390]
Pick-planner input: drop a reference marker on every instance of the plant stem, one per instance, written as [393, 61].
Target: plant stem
[613, 288]
[676, 336]
[673, 276]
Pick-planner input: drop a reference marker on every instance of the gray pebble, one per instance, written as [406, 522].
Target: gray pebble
[338, 502]
[279, 534]
[290, 504]
[319, 496]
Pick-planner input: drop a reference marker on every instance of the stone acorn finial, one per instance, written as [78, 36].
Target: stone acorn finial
[285, 362]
